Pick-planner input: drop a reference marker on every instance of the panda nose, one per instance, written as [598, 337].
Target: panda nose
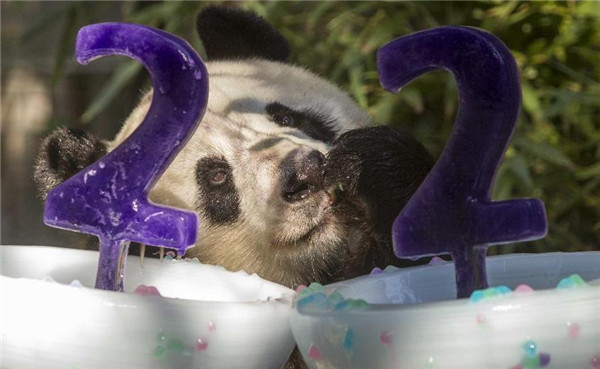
[302, 175]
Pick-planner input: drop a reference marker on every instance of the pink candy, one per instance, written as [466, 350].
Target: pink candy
[595, 362]
[212, 327]
[523, 288]
[573, 329]
[144, 290]
[436, 260]
[480, 319]
[314, 352]
[385, 338]
[201, 344]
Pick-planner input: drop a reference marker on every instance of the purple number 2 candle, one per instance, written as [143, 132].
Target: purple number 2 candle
[451, 212]
[110, 197]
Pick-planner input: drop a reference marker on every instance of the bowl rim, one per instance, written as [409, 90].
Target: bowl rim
[285, 297]
[374, 308]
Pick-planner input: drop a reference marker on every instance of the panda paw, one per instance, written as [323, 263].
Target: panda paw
[61, 155]
[382, 166]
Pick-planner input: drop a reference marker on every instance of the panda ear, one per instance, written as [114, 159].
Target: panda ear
[233, 34]
[61, 155]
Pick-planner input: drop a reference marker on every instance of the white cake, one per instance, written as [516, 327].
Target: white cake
[408, 318]
[207, 318]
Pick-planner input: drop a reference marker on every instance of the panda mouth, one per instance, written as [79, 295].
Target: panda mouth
[336, 194]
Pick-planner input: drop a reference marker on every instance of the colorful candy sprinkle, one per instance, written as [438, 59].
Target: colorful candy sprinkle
[436, 260]
[314, 352]
[544, 359]
[531, 362]
[487, 293]
[571, 281]
[175, 345]
[524, 288]
[348, 342]
[313, 298]
[376, 270]
[595, 362]
[201, 344]
[314, 287]
[76, 283]
[212, 327]
[144, 290]
[352, 304]
[170, 255]
[166, 345]
[385, 338]
[390, 269]
[335, 298]
[300, 288]
[480, 319]
[311, 302]
[530, 348]
[573, 330]
[160, 351]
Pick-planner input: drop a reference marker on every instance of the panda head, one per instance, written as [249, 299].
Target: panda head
[254, 169]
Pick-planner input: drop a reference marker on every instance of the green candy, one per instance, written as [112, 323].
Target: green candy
[175, 345]
[159, 351]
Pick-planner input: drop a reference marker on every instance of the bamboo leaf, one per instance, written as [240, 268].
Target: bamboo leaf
[66, 44]
[520, 169]
[592, 171]
[545, 152]
[531, 102]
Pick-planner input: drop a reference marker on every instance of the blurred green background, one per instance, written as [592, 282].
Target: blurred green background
[554, 155]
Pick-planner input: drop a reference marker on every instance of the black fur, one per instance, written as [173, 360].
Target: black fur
[234, 34]
[220, 202]
[61, 155]
[312, 124]
[381, 165]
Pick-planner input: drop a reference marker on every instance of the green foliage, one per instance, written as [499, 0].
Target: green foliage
[556, 150]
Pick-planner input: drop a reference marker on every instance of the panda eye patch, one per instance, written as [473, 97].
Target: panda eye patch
[219, 198]
[313, 124]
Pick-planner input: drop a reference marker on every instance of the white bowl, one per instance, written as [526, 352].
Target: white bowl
[207, 318]
[415, 322]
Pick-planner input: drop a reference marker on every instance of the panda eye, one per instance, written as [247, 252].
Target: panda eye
[281, 115]
[218, 176]
[286, 120]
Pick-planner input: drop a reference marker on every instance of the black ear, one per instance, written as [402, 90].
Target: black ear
[233, 34]
[61, 155]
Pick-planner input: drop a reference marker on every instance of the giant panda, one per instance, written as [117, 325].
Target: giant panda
[289, 177]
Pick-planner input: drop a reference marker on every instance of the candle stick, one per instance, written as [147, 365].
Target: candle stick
[109, 198]
[451, 212]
